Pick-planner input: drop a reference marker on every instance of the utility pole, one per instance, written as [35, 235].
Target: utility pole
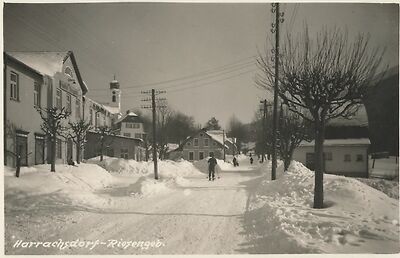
[264, 129]
[223, 143]
[275, 29]
[153, 93]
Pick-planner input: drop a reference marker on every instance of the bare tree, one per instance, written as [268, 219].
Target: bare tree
[293, 129]
[105, 134]
[77, 133]
[52, 126]
[164, 114]
[321, 80]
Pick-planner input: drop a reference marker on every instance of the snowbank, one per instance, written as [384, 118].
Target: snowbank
[166, 168]
[358, 218]
[389, 187]
[75, 183]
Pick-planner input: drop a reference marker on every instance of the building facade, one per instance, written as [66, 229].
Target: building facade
[115, 146]
[130, 125]
[41, 80]
[202, 145]
[348, 157]
[126, 140]
[346, 147]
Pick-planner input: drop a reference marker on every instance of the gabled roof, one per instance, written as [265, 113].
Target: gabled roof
[359, 119]
[48, 63]
[216, 135]
[129, 117]
[339, 142]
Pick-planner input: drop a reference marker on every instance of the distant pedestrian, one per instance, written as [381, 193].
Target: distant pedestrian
[251, 159]
[212, 162]
[235, 162]
[70, 162]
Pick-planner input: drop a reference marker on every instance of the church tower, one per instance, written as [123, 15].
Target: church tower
[115, 94]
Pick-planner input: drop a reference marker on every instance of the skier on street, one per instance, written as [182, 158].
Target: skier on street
[212, 162]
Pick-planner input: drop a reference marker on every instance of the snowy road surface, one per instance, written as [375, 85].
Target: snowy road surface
[201, 217]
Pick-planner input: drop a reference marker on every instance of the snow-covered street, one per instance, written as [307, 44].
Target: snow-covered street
[196, 217]
[127, 212]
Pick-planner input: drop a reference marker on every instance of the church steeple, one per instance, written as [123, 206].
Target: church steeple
[115, 93]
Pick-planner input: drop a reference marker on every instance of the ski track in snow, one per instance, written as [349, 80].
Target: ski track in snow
[243, 212]
[201, 217]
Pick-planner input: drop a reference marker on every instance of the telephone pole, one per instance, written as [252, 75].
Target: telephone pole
[264, 129]
[275, 29]
[223, 143]
[153, 93]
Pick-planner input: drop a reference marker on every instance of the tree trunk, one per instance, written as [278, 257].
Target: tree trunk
[78, 152]
[101, 151]
[319, 166]
[53, 153]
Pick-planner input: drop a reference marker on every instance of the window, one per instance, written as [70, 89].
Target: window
[36, 94]
[138, 135]
[69, 105]
[205, 142]
[127, 134]
[59, 99]
[91, 116]
[196, 142]
[360, 157]
[68, 71]
[114, 97]
[310, 160]
[191, 155]
[347, 157]
[327, 155]
[201, 155]
[132, 125]
[124, 153]
[201, 135]
[58, 149]
[14, 86]
[77, 109]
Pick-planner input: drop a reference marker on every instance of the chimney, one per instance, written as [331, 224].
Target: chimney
[127, 112]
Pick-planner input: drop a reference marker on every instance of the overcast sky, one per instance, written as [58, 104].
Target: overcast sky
[202, 54]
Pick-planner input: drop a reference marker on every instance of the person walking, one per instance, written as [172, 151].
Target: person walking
[212, 162]
[251, 159]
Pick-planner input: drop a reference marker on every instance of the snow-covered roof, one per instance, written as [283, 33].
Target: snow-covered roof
[112, 110]
[218, 136]
[359, 119]
[339, 142]
[47, 62]
[129, 115]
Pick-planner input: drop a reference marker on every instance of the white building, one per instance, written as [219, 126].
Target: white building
[345, 147]
[130, 125]
[347, 157]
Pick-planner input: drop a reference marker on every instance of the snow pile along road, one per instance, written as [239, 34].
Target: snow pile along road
[166, 168]
[74, 184]
[357, 218]
[170, 174]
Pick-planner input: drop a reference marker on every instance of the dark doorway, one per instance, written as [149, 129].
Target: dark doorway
[22, 148]
[39, 149]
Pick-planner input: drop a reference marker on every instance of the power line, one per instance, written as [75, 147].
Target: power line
[210, 73]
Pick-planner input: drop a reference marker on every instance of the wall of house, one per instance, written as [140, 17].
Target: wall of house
[213, 146]
[115, 146]
[21, 114]
[132, 132]
[69, 85]
[338, 165]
